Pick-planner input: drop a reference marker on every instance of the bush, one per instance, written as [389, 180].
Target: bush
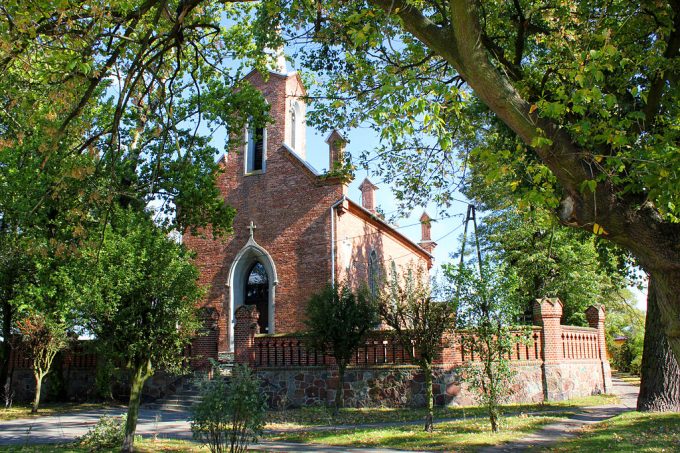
[231, 412]
[106, 434]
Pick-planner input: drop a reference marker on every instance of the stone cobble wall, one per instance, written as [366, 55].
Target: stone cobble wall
[404, 386]
[364, 387]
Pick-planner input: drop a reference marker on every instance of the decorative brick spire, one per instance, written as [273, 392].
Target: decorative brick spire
[368, 195]
[426, 241]
[336, 149]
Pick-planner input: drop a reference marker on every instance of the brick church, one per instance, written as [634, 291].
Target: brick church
[295, 229]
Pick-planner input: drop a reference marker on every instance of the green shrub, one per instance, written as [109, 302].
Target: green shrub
[106, 434]
[231, 412]
[628, 356]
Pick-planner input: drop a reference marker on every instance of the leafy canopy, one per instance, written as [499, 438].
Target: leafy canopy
[604, 73]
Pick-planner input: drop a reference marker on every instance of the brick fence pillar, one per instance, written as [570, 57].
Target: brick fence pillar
[596, 316]
[548, 314]
[244, 334]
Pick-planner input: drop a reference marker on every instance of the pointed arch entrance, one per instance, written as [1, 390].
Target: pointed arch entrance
[252, 280]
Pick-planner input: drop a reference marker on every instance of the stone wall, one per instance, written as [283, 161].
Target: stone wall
[403, 386]
[73, 377]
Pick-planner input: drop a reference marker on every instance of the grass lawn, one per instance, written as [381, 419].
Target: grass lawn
[24, 410]
[629, 432]
[460, 436]
[293, 419]
[143, 446]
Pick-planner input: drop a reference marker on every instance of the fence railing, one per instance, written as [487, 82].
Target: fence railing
[76, 356]
[579, 343]
[291, 350]
[548, 342]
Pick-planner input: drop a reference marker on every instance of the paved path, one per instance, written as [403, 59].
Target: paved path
[569, 427]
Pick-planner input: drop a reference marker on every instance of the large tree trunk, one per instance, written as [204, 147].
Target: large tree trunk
[667, 293]
[660, 386]
[139, 377]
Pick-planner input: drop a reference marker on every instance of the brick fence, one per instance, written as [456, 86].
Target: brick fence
[557, 363]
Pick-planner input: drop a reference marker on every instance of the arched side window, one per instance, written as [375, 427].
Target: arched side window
[255, 149]
[373, 273]
[295, 128]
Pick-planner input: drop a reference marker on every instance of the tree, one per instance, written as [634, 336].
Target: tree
[660, 373]
[489, 307]
[114, 103]
[551, 260]
[41, 339]
[625, 320]
[338, 321]
[421, 323]
[144, 293]
[590, 100]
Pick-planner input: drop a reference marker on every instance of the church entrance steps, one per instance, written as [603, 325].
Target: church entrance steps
[185, 396]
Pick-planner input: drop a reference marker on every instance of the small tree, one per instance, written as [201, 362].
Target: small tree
[420, 323]
[488, 307]
[231, 414]
[41, 340]
[143, 312]
[338, 321]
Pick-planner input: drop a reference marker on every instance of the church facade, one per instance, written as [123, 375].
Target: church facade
[295, 229]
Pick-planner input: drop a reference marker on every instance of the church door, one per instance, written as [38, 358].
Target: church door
[257, 293]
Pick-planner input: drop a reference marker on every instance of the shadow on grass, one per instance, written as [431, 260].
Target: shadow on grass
[322, 416]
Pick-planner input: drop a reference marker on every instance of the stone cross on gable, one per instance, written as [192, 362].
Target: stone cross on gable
[251, 227]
